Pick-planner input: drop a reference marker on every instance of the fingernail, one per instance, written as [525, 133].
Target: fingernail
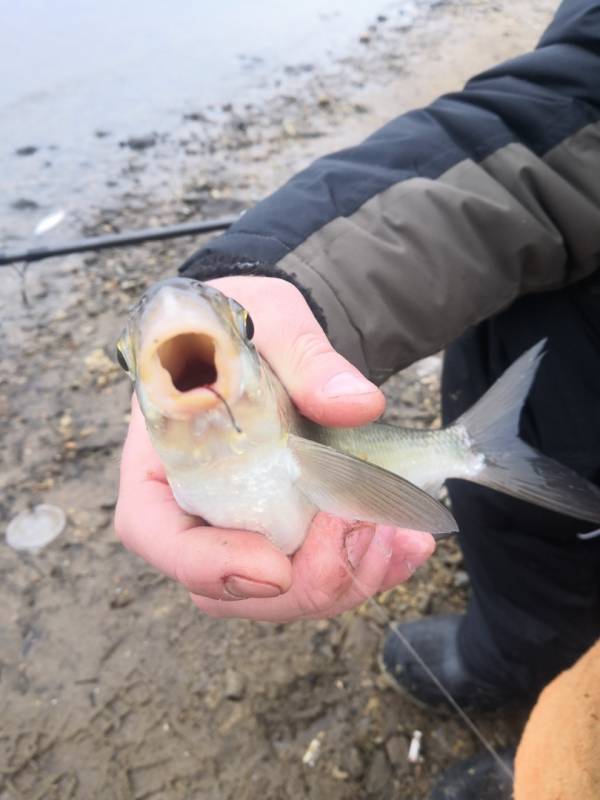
[384, 539]
[348, 383]
[356, 545]
[416, 544]
[239, 588]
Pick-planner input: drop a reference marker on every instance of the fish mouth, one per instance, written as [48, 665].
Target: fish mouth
[189, 359]
[189, 372]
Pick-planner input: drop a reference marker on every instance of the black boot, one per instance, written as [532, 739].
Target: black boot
[478, 778]
[435, 639]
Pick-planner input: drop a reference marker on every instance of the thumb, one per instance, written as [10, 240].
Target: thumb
[324, 386]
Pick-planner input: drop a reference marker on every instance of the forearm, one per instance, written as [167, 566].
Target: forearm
[447, 214]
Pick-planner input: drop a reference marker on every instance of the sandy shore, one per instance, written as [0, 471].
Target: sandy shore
[112, 685]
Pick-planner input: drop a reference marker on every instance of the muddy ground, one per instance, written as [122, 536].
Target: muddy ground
[112, 685]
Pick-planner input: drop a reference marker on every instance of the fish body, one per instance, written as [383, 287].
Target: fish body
[238, 454]
[426, 458]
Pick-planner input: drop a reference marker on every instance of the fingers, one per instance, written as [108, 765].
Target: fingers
[320, 578]
[369, 560]
[323, 384]
[322, 569]
[373, 566]
[336, 569]
[411, 550]
[217, 563]
[213, 562]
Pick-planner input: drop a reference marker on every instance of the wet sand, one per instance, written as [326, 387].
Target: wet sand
[111, 683]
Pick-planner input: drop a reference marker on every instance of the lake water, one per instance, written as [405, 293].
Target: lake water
[80, 76]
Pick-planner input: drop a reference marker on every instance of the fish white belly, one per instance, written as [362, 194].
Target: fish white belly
[253, 492]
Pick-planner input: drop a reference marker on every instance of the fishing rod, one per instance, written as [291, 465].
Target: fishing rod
[126, 239]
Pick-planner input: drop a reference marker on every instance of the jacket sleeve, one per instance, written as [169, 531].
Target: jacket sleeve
[448, 213]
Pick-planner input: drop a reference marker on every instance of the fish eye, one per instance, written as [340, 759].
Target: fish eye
[122, 361]
[249, 326]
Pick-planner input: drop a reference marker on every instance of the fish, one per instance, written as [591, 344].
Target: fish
[238, 454]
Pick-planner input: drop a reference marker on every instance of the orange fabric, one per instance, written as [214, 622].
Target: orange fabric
[559, 754]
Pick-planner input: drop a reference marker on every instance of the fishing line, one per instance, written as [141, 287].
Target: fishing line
[225, 403]
[21, 270]
[402, 638]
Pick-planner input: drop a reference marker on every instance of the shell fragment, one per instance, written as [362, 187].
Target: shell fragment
[35, 528]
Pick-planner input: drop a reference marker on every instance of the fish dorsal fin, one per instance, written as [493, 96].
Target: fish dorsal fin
[343, 485]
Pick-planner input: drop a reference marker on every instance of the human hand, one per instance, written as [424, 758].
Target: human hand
[239, 573]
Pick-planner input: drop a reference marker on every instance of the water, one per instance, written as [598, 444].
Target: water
[80, 77]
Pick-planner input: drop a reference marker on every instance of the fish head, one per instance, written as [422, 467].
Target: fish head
[199, 380]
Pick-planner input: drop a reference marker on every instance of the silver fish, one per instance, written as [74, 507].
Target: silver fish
[238, 454]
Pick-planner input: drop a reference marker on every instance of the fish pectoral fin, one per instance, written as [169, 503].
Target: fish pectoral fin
[347, 487]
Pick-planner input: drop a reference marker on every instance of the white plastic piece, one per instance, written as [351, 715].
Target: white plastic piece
[313, 751]
[35, 528]
[589, 535]
[50, 221]
[414, 750]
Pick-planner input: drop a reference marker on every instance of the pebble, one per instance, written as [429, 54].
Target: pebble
[378, 775]
[25, 204]
[196, 116]
[140, 142]
[339, 774]
[121, 598]
[352, 763]
[397, 752]
[235, 685]
[461, 579]
[360, 637]
[28, 150]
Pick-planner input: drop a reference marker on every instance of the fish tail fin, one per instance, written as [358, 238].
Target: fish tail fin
[510, 465]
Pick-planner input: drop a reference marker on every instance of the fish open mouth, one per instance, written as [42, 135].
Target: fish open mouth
[189, 358]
